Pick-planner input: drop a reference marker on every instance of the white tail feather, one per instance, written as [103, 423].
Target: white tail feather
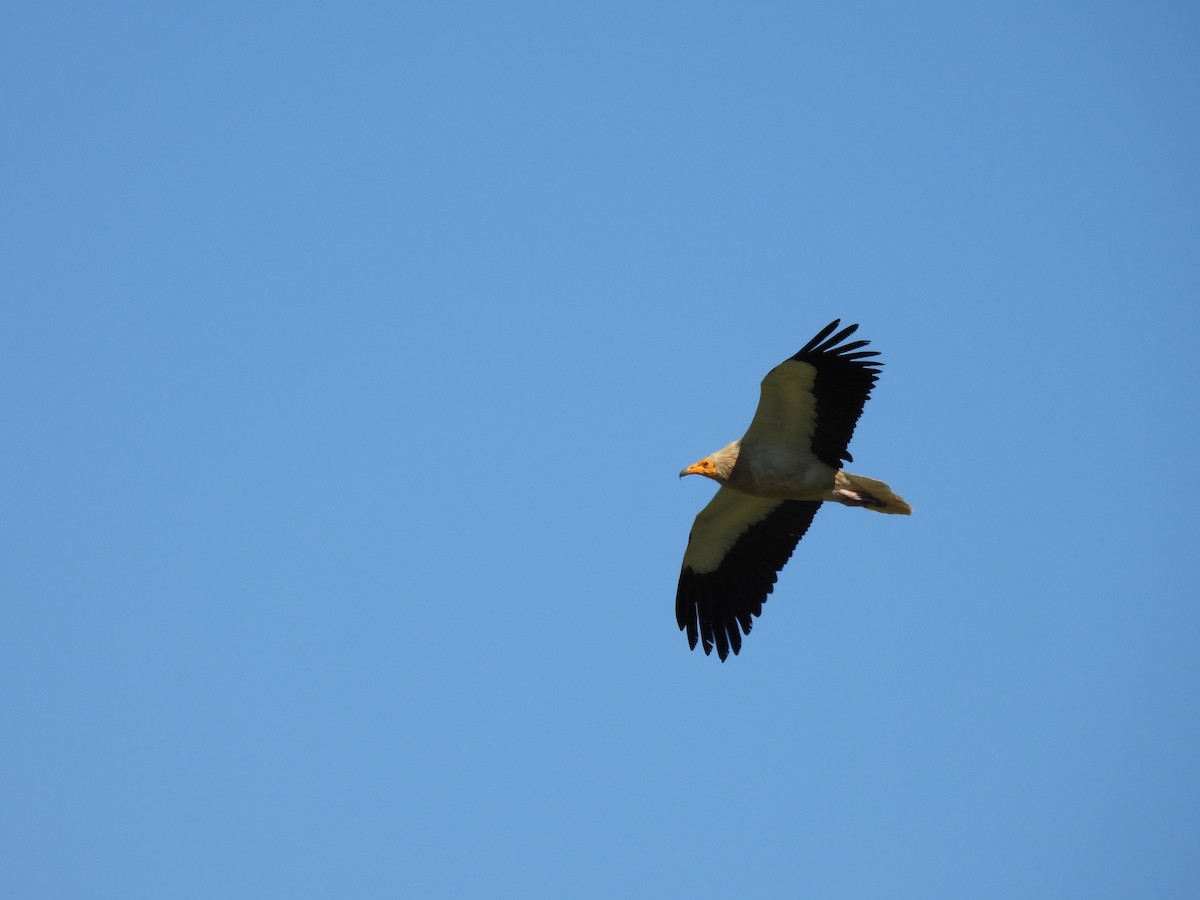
[859, 490]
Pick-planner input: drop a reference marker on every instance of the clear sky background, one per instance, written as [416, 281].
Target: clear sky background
[349, 355]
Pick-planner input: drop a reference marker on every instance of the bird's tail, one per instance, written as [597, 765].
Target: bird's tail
[858, 490]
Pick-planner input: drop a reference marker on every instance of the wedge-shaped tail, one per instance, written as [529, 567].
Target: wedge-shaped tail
[869, 493]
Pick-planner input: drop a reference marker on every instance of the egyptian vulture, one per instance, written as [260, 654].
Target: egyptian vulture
[773, 481]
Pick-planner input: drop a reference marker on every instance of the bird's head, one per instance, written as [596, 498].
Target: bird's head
[716, 466]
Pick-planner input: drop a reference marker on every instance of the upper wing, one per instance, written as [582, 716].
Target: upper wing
[737, 545]
[813, 400]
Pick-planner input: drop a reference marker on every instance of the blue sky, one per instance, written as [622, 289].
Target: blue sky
[349, 356]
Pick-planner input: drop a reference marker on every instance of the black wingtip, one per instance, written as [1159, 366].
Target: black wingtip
[821, 335]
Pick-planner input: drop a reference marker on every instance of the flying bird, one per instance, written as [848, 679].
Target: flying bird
[773, 481]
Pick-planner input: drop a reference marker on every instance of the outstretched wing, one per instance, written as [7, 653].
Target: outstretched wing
[737, 545]
[812, 401]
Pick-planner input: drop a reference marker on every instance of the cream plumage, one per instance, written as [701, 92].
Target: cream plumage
[773, 481]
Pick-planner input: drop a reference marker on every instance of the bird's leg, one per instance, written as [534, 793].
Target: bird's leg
[856, 498]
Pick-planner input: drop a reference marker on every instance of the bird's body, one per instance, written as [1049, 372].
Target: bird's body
[773, 481]
[780, 472]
